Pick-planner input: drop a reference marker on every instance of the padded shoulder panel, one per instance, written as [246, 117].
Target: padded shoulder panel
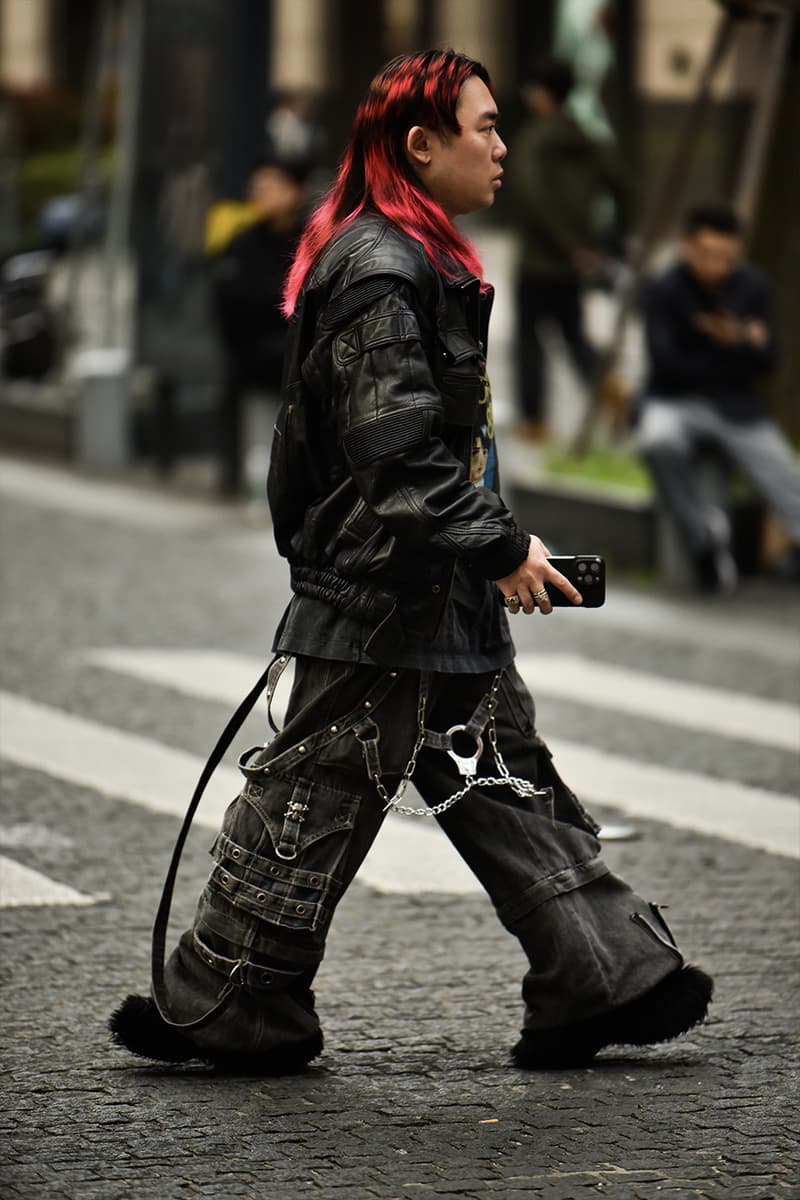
[369, 249]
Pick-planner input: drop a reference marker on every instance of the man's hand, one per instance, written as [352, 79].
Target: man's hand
[528, 581]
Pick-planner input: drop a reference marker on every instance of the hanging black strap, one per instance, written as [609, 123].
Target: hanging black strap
[267, 680]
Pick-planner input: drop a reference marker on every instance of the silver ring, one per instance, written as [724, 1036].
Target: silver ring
[512, 601]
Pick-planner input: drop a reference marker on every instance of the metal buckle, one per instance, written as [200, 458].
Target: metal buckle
[467, 765]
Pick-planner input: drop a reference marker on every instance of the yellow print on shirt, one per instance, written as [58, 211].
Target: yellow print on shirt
[486, 402]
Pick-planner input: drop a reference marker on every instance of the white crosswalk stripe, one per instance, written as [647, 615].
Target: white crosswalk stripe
[21, 886]
[406, 858]
[411, 855]
[226, 676]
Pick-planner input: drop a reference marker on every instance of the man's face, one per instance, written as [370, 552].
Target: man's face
[276, 194]
[464, 170]
[711, 256]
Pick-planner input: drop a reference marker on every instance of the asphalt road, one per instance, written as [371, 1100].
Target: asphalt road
[130, 620]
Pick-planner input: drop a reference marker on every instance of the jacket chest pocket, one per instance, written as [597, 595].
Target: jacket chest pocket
[461, 378]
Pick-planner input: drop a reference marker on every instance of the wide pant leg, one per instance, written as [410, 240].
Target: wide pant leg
[294, 838]
[290, 844]
[592, 943]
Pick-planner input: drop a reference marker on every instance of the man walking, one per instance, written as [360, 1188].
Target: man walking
[404, 563]
[558, 176]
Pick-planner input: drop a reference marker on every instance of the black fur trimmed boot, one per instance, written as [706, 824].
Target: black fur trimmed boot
[138, 1026]
[677, 1003]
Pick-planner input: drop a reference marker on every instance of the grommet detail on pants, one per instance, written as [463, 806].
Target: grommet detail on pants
[334, 728]
[300, 909]
[236, 852]
[301, 749]
[261, 897]
[367, 704]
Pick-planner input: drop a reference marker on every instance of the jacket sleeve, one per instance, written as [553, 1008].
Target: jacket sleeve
[390, 418]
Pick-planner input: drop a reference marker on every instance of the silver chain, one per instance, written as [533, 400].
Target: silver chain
[504, 778]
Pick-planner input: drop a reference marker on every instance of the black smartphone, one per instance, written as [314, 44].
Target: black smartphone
[587, 572]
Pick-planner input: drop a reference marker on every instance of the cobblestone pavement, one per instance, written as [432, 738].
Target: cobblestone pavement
[414, 1095]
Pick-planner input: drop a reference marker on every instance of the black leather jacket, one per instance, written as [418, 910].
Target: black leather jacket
[369, 476]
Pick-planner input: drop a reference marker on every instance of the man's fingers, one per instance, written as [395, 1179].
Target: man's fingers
[563, 584]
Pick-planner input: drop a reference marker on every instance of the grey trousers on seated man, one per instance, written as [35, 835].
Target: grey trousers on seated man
[671, 434]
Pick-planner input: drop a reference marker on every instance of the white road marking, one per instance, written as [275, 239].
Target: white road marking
[22, 887]
[684, 799]
[107, 760]
[160, 779]
[405, 858]
[669, 701]
[227, 676]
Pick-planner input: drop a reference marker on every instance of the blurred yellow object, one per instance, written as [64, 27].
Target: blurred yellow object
[225, 220]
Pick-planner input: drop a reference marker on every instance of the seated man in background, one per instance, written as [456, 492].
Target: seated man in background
[710, 336]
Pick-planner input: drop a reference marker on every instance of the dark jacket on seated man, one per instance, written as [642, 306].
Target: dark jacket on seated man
[685, 362]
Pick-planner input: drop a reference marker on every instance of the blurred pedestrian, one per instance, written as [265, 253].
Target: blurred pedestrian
[559, 178]
[292, 131]
[404, 562]
[247, 278]
[710, 337]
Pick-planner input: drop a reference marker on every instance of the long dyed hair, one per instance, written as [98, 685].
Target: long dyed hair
[374, 174]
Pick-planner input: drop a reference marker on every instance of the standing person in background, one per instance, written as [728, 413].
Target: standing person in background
[246, 283]
[710, 337]
[404, 561]
[558, 176]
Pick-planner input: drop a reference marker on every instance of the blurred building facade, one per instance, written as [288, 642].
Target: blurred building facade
[207, 73]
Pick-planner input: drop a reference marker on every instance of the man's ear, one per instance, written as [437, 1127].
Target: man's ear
[418, 146]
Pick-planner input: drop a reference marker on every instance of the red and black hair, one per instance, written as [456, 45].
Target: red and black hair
[374, 174]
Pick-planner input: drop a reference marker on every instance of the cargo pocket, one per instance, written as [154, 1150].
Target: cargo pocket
[567, 808]
[278, 853]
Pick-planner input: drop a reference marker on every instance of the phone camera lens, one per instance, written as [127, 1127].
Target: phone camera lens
[581, 567]
[596, 568]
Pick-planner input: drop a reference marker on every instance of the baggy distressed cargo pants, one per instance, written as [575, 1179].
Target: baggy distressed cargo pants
[310, 807]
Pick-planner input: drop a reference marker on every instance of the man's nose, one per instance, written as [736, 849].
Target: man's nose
[500, 150]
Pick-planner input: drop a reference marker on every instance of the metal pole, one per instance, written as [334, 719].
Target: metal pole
[115, 258]
[87, 166]
[752, 167]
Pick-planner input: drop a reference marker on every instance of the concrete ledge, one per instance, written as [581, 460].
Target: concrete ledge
[626, 527]
[40, 429]
[576, 517]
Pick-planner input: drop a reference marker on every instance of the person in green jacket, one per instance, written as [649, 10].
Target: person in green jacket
[558, 176]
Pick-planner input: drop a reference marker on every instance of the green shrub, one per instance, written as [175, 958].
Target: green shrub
[603, 466]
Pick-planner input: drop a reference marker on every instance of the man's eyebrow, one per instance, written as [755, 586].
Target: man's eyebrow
[490, 116]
